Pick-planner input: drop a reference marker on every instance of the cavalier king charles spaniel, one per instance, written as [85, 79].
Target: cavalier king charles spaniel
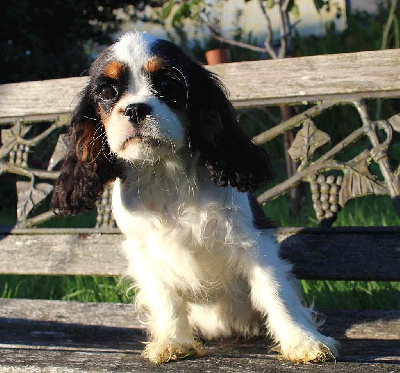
[161, 128]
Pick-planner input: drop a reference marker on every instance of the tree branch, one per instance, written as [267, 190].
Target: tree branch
[388, 24]
[286, 42]
[219, 37]
[285, 5]
[269, 36]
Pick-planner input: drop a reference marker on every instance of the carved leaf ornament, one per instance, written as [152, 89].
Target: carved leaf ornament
[59, 153]
[358, 181]
[307, 141]
[395, 122]
[29, 196]
[12, 134]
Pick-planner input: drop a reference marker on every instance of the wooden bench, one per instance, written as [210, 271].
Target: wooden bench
[55, 336]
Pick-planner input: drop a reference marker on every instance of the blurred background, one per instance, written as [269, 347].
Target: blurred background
[59, 39]
[40, 40]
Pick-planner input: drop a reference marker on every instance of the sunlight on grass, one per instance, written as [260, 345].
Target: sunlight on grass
[352, 294]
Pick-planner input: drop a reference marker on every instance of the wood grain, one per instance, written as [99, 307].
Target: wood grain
[56, 336]
[349, 253]
[68, 254]
[254, 83]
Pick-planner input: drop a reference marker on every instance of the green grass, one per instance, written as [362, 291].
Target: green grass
[352, 294]
[77, 288]
[366, 211]
[324, 294]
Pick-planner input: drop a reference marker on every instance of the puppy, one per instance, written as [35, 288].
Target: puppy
[161, 128]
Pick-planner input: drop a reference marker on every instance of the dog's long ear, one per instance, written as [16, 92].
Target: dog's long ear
[231, 157]
[87, 167]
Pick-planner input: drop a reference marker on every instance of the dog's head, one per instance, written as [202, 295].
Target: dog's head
[145, 99]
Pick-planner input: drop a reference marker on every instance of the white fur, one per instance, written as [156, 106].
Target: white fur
[200, 266]
[197, 261]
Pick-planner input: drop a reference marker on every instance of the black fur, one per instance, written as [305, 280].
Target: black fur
[230, 156]
[87, 168]
[260, 220]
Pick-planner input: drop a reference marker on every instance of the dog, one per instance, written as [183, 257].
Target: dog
[160, 126]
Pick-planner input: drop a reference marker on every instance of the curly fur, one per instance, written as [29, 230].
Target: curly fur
[88, 166]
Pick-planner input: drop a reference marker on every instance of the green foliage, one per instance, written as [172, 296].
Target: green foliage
[270, 4]
[178, 11]
[294, 9]
[319, 4]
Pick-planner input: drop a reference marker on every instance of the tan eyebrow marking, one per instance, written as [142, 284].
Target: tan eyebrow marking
[113, 69]
[152, 64]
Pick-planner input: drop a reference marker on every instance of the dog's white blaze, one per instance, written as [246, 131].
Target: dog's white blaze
[133, 50]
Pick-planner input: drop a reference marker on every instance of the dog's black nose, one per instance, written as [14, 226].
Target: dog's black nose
[137, 112]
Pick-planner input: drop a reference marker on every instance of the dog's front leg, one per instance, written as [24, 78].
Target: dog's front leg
[170, 334]
[290, 324]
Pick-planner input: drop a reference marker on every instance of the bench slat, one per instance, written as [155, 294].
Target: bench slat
[39, 335]
[341, 253]
[326, 77]
[62, 254]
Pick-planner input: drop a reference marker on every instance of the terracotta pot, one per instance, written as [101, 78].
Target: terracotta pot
[215, 56]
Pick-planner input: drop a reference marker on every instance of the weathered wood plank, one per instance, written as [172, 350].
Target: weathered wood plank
[324, 77]
[356, 324]
[107, 315]
[328, 77]
[62, 254]
[54, 336]
[342, 253]
[56, 96]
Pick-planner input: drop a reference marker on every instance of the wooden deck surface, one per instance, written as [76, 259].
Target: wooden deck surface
[57, 336]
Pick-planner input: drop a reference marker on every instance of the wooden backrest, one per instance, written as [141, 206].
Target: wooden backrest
[43, 108]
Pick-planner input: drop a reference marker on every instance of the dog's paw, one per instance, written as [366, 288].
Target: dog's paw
[310, 350]
[170, 350]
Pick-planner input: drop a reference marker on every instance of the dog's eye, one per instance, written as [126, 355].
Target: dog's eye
[108, 92]
[170, 86]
